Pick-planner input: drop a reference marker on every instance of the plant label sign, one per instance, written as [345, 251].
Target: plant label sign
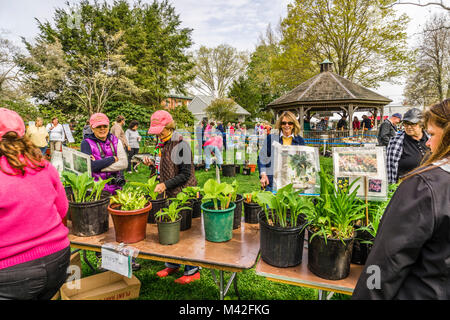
[76, 161]
[118, 259]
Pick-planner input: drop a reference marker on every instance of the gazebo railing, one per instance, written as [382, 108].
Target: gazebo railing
[339, 137]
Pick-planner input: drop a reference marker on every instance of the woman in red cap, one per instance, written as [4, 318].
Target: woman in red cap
[173, 176]
[35, 249]
[107, 153]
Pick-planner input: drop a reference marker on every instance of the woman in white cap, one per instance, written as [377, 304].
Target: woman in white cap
[174, 176]
[407, 149]
[35, 249]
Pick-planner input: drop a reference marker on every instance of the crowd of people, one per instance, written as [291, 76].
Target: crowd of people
[411, 248]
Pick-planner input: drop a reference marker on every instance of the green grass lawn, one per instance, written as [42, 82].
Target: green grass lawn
[250, 285]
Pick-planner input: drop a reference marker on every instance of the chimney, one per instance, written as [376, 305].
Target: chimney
[325, 66]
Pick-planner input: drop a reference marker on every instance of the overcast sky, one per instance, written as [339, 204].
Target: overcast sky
[238, 23]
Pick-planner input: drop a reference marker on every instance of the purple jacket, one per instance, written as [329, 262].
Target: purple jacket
[90, 146]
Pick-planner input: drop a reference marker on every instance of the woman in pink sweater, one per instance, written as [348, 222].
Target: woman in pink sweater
[34, 247]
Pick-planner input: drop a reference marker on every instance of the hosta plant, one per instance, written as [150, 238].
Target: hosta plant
[172, 213]
[129, 199]
[193, 192]
[148, 188]
[218, 193]
[84, 187]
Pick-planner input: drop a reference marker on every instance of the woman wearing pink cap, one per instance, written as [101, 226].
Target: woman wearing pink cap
[34, 247]
[176, 172]
[107, 153]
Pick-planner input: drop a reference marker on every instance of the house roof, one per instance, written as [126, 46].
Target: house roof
[200, 103]
[328, 88]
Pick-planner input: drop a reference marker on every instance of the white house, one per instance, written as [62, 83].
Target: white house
[198, 105]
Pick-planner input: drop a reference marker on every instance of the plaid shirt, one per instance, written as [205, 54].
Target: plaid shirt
[394, 153]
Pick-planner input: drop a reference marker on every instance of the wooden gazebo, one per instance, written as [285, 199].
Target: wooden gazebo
[329, 92]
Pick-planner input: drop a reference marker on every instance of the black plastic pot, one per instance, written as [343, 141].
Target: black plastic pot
[246, 171]
[157, 205]
[196, 207]
[361, 250]
[238, 211]
[228, 170]
[329, 261]
[251, 211]
[90, 218]
[237, 168]
[281, 247]
[186, 219]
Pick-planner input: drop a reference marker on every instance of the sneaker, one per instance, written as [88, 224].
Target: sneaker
[188, 279]
[165, 272]
[129, 171]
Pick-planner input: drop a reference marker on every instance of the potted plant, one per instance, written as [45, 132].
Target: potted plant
[195, 196]
[88, 204]
[331, 229]
[237, 199]
[186, 214]
[365, 235]
[169, 221]
[282, 226]
[218, 211]
[251, 207]
[157, 200]
[129, 210]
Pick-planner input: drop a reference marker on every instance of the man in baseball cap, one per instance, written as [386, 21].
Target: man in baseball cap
[10, 121]
[388, 129]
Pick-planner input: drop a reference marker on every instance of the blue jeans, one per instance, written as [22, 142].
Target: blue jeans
[38, 279]
[217, 152]
[188, 270]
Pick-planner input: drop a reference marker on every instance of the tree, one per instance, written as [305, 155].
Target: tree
[216, 68]
[430, 81]
[112, 52]
[9, 72]
[366, 43]
[222, 109]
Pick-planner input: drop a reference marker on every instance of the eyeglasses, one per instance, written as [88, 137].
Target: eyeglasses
[283, 123]
[409, 124]
[101, 127]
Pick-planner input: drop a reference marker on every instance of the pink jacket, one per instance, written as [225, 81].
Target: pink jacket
[214, 141]
[32, 207]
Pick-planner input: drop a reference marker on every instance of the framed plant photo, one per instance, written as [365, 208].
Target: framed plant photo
[365, 165]
[76, 161]
[298, 165]
[359, 161]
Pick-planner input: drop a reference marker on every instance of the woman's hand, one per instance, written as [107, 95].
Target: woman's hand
[264, 180]
[148, 162]
[160, 188]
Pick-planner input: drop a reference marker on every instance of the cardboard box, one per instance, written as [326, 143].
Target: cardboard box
[103, 286]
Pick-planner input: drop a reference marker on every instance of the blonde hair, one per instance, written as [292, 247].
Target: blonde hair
[171, 125]
[291, 117]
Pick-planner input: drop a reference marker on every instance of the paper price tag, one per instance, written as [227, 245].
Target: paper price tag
[116, 262]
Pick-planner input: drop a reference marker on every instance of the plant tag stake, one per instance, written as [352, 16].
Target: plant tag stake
[118, 258]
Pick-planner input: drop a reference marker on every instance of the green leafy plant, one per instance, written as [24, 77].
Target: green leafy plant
[284, 207]
[148, 188]
[129, 199]
[235, 186]
[251, 197]
[172, 213]
[336, 211]
[84, 187]
[193, 192]
[218, 193]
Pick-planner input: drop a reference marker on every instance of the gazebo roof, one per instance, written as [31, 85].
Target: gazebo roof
[328, 89]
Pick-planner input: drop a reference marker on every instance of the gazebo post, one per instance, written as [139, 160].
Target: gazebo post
[350, 120]
[375, 115]
[301, 113]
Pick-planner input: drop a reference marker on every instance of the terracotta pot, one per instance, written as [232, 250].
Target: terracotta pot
[130, 226]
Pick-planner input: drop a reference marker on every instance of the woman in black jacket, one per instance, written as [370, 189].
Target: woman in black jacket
[410, 258]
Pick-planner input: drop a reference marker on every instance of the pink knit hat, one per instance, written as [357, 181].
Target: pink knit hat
[159, 120]
[98, 119]
[11, 121]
